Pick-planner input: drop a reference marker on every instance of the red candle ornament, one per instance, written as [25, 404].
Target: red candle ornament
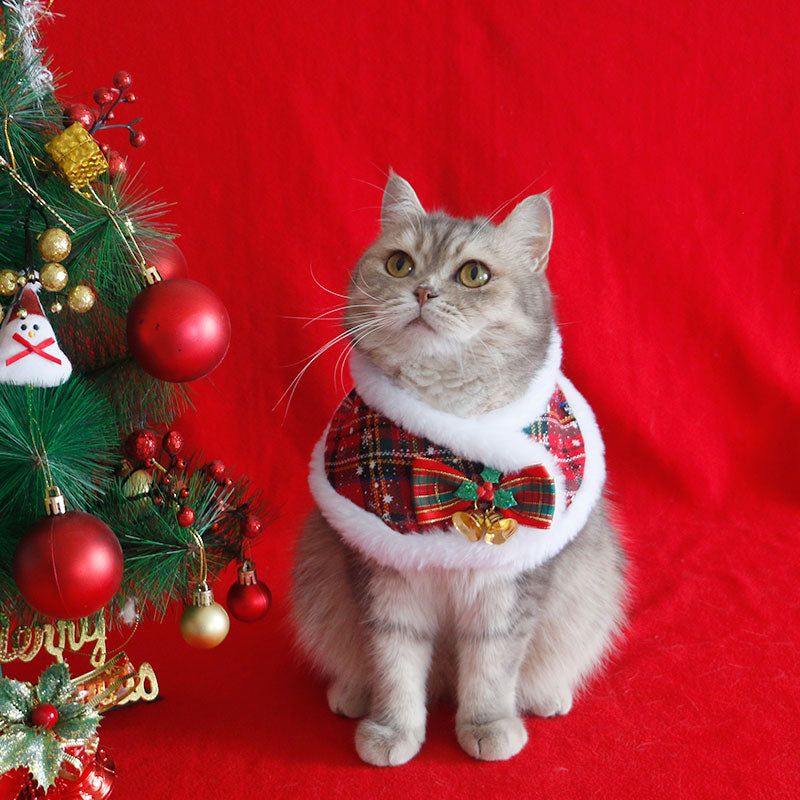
[178, 330]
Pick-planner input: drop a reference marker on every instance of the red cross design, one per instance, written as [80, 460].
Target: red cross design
[32, 348]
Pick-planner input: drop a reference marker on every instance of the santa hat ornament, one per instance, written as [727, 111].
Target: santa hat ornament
[29, 352]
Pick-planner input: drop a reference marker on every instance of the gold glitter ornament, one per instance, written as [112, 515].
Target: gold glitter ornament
[56, 307]
[54, 244]
[80, 298]
[8, 282]
[77, 155]
[54, 277]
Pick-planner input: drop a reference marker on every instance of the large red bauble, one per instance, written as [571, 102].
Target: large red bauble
[178, 330]
[68, 566]
[248, 599]
[167, 258]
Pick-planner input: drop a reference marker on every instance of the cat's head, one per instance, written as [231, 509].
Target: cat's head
[447, 292]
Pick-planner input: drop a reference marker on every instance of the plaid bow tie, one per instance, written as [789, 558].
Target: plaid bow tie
[439, 492]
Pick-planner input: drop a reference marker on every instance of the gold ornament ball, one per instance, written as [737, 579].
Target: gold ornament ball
[205, 623]
[56, 307]
[22, 313]
[21, 280]
[80, 298]
[137, 485]
[54, 276]
[8, 281]
[54, 244]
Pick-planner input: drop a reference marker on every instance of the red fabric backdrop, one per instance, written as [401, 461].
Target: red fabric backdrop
[668, 135]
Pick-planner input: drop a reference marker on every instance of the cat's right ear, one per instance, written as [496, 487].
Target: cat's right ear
[400, 204]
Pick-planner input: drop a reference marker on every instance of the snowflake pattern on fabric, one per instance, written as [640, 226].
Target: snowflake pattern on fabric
[369, 459]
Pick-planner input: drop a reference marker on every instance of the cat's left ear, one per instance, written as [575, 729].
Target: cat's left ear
[400, 205]
[531, 225]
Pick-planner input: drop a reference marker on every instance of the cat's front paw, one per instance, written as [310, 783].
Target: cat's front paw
[348, 699]
[554, 702]
[384, 745]
[493, 741]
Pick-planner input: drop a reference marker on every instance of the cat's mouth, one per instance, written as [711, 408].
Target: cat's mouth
[419, 322]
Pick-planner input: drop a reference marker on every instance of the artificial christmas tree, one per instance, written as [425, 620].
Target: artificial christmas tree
[101, 518]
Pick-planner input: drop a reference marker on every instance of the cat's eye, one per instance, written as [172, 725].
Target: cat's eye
[474, 274]
[399, 264]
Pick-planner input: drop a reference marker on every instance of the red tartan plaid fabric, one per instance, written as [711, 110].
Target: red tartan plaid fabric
[369, 460]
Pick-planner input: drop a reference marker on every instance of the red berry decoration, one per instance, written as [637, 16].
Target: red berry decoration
[172, 442]
[137, 138]
[45, 715]
[185, 517]
[141, 445]
[68, 566]
[184, 492]
[117, 164]
[250, 526]
[167, 258]
[216, 470]
[129, 98]
[78, 112]
[180, 463]
[103, 96]
[249, 599]
[178, 330]
[122, 79]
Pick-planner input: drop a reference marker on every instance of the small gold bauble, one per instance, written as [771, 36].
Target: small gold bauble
[54, 244]
[54, 276]
[21, 280]
[8, 281]
[80, 298]
[22, 313]
[204, 624]
[137, 484]
[56, 307]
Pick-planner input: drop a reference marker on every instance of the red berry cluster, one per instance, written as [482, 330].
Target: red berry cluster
[97, 119]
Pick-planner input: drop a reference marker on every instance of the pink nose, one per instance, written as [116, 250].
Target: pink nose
[423, 293]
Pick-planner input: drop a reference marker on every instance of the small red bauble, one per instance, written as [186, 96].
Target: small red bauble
[122, 79]
[250, 526]
[249, 599]
[167, 258]
[78, 112]
[117, 164]
[137, 139]
[216, 470]
[103, 96]
[141, 445]
[184, 492]
[178, 330]
[180, 463]
[45, 715]
[172, 442]
[185, 517]
[129, 98]
[68, 566]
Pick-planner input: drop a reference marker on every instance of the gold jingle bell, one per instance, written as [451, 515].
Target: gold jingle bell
[204, 624]
[54, 276]
[80, 298]
[54, 244]
[56, 307]
[8, 282]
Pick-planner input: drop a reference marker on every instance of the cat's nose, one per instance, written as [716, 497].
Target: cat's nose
[424, 293]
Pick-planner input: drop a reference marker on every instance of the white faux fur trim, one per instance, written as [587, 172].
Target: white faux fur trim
[495, 437]
[446, 548]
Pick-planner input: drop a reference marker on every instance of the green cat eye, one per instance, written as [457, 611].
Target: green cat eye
[399, 264]
[474, 274]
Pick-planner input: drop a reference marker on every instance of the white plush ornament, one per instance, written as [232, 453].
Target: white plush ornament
[29, 351]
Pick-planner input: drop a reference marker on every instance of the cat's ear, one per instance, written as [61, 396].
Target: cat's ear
[531, 225]
[400, 204]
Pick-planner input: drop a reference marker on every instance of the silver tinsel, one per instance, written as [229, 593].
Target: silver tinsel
[24, 21]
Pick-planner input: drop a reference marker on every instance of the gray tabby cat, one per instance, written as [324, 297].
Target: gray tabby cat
[457, 314]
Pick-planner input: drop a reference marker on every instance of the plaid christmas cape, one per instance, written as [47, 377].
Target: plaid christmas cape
[413, 484]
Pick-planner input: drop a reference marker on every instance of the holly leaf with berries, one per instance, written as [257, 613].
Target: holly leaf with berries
[39, 722]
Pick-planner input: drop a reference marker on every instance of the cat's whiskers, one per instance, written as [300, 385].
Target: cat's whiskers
[324, 288]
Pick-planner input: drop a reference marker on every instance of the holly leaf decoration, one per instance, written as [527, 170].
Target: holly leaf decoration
[14, 746]
[78, 727]
[54, 685]
[468, 490]
[44, 760]
[490, 475]
[16, 700]
[503, 498]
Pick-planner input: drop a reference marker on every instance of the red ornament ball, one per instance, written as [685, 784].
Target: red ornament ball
[45, 715]
[216, 470]
[122, 79]
[103, 96]
[178, 330]
[78, 112]
[141, 445]
[137, 139]
[68, 566]
[172, 442]
[129, 98]
[249, 599]
[117, 164]
[167, 258]
[250, 526]
[185, 517]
